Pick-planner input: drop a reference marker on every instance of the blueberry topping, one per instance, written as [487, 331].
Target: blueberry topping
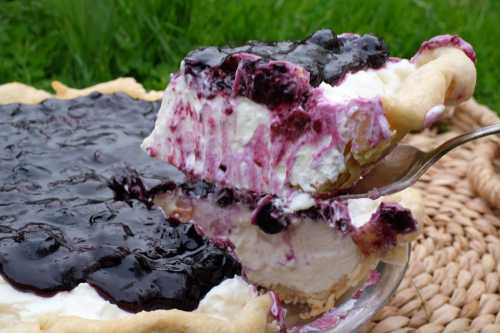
[264, 72]
[127, 185]
[268, 83]
[398, 218]
[198, 188]
[225, 197]
[175, 273]
[76, 206]
[270, 219]
[326, 39]
[292, 126]
[380, 234]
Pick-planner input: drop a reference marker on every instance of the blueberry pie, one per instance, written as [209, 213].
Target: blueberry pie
[226, 219]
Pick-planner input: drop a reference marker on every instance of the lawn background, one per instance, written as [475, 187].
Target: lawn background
[82, 42]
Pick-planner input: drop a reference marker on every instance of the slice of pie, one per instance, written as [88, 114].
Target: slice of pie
[241, 225]
[308, 116]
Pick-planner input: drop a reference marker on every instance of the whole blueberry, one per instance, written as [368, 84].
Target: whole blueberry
[270, 220]
[325, 38]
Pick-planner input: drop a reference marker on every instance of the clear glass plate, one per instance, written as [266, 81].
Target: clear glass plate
[361, 303]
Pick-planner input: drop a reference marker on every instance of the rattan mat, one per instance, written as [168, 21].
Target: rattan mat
[452, 284]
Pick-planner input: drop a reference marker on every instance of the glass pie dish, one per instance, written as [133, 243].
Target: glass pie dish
[361, 303]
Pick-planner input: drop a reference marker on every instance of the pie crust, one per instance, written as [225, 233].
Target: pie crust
[444, 76]
[253, 318]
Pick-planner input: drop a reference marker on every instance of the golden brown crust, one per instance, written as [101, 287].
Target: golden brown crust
[16, 92]
[253, 318]
[444, 77]
[314, 305]
[126, 85]
[20, 93]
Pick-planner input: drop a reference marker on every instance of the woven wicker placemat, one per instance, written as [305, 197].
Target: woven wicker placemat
[452, 284]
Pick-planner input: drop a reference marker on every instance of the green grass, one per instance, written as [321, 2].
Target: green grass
[81, 42]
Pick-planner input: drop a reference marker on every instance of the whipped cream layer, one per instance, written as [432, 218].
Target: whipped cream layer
[83, 301]
[224, 301]
[241, 143]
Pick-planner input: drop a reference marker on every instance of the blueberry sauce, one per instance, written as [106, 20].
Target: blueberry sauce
[282, 72]
[380, 234]
[76, 206]
[268, 217]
